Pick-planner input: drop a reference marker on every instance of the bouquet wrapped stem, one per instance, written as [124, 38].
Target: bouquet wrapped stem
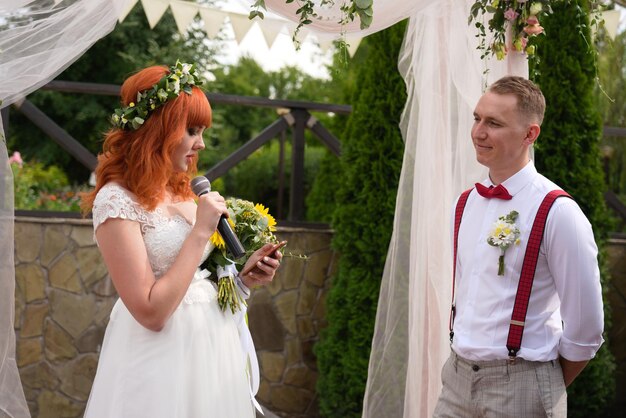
[227, 294]
[254, 227]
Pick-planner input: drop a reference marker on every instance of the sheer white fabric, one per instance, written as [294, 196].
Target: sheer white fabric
[444, 77]
[12, 401]
[37, 43]
[444, 80]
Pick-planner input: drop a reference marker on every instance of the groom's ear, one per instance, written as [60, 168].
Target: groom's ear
[532, 133]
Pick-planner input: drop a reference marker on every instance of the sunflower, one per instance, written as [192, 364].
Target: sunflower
[271, 222]
[217, 240]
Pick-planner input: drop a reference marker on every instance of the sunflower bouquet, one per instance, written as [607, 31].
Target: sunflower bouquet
[254, 226]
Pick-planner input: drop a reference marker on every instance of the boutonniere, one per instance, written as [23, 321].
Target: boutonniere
[504, 234]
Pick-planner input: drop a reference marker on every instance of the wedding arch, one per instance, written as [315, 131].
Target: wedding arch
[444, 75]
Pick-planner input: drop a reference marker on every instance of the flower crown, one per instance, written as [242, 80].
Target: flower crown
[181, 76]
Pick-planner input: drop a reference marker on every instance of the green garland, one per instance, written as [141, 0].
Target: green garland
[181, 77]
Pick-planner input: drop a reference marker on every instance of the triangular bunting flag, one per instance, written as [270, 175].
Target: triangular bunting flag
[325, 44]
[241, 25]
[270, 29]
[611, 22]
[154, 10]
[184, 13]
[127, 10]
[353, 45]
[213, 21]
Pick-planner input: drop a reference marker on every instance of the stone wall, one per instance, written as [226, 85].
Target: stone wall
[64, 296]
[617, 333]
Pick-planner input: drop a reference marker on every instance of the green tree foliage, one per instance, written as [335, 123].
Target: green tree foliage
[612, 72]
[130, 46]
[320, 202]
[234, 125]
[568, 154]
[370, 167]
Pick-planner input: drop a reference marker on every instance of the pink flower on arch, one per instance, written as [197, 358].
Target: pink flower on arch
[510, 14]
[533, 29]
[16, 158]
[532, 20]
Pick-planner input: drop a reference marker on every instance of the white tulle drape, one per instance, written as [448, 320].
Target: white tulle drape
[445, 77]
[37, 41]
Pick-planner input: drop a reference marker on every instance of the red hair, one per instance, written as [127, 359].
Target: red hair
[140, 160]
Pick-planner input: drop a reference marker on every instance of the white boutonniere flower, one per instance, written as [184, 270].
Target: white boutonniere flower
[504, 234]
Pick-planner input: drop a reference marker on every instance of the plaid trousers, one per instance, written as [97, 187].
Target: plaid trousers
[500, 389]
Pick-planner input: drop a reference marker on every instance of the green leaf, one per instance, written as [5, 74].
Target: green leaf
[366, 21]
[363, 4]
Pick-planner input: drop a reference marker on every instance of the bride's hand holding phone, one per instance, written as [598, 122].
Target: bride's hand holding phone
[262, 265]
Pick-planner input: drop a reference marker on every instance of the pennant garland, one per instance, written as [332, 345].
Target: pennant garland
[185, 12]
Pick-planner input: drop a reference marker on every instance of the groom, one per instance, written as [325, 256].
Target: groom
[527, 315]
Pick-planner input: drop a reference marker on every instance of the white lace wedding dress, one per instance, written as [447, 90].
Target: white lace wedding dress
[195, 366]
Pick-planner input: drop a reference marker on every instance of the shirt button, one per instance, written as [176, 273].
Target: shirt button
[475, 368]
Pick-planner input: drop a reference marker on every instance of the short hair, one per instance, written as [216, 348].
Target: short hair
[530, 99]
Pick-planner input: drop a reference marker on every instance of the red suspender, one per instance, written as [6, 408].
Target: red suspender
[458, 214]
[527, 276]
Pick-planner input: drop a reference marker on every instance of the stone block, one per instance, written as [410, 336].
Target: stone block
[58, 343]
[103, 312]
[77, 376]
[267, 331]
[318, 241]
[263, 395]
[308, 356]
[276, 285]
[291, 273]
[34, 315]
[31, 278]
[83, 235]
[300, 376]
[294, 351]
[39, 376]
[319, 312]
[317, 266]
[63, 274]
[28, 237]
[286, 309]
[272, 366]
[307, 298]
[55, 405]
[104, 287]
[28, 351]
[73, 313]
[90, 265]
[20, 304]
[291, 399]
[55, 242]
[91, 340]
[306, 329]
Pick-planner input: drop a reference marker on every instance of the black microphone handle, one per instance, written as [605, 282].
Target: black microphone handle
[232, 242]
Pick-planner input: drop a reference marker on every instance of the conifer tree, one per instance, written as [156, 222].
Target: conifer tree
[568, 154]
[370, 164]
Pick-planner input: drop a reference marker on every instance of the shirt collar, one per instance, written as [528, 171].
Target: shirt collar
[517, 181]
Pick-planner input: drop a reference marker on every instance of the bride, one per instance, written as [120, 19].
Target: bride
[169, 351]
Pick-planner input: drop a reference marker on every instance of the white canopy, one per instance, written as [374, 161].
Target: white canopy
[444, 78]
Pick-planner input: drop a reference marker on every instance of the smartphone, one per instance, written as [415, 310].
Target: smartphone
[269, 253]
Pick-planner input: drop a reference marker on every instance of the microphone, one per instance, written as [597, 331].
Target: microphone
[201, 185]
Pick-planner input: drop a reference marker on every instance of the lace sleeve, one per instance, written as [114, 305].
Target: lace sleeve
[113, 201]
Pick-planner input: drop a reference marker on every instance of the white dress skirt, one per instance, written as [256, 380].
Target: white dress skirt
[195, 366]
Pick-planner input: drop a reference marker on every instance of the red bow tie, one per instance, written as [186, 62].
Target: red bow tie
[498, 192]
